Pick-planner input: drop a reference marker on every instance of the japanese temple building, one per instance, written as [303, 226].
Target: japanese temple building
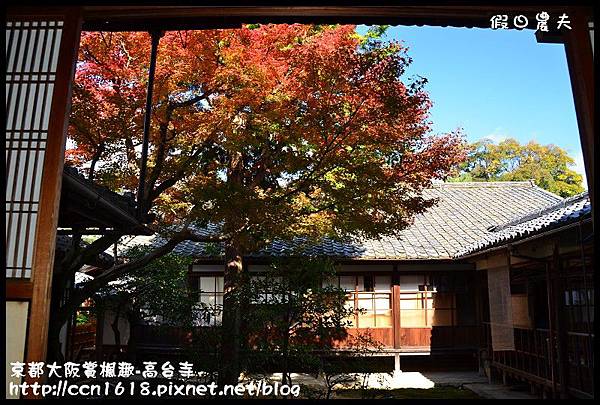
[489, 278]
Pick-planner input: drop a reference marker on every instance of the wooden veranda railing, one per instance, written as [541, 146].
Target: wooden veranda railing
[535, 359]
[83, 338]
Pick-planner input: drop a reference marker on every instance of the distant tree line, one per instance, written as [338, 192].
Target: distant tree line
[548, 165]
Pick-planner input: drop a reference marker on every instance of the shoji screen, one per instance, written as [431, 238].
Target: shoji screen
[40, 55]
[32, 49]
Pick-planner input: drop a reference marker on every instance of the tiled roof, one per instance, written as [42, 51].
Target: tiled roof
[126, 202]
[461, 217]
[562, 213]
[82, 278]
[102, 208]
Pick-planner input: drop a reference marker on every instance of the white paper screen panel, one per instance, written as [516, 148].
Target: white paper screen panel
[31, 55]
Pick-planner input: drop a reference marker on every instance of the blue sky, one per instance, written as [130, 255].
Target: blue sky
[494, 84]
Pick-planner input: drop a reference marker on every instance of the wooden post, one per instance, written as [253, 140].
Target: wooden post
[580, 59]
[561, 332]
[45, 234]
[396, 307]
[100, 333]
[550, 342]
[397, 369]
[585, 287]
[396, 316]
[355, 298]
[155, 36]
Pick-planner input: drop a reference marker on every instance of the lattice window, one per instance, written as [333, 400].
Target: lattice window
[424, 305]
[370, 297]
[211, 290]
[32, 49]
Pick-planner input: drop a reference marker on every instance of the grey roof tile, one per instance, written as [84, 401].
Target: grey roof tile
[534, 222]
[461, 217]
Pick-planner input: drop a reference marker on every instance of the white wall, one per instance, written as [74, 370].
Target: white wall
[63, 339]
[16, 332]
[108, 336]
[366, 267]
[219, 268]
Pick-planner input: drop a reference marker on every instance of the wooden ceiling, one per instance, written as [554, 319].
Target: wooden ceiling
[131, 18]
[178, 17]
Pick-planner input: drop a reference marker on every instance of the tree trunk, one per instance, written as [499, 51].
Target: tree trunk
[133, 318]
[100, 314]
[230, 336]
[59, 315]
[54, 353]
[115, 328]
[285, 375]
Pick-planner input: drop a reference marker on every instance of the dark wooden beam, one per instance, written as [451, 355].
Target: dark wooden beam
[222, 15]
[560, 324]
[580, 59]
[66, 231]
[551, 326]
[18, 289]
[550, 37]
[433, 266]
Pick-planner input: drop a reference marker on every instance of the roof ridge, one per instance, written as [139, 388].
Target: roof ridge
[125, 200]
[491, 184]
[546, 191]
[542, 211]
[583, 195]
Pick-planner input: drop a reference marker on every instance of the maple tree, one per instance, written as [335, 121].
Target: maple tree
[268, 131]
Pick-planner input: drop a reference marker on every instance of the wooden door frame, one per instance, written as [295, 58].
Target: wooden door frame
[37, 289]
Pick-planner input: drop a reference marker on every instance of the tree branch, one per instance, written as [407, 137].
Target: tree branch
[162, 187]
[93, 250]
[95, 159]
[162, 148]
[303, 182]
[119, 270]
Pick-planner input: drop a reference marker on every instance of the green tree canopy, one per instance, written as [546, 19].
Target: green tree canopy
[159, 289]
[548, 165]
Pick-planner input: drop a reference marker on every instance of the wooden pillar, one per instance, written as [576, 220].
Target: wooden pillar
[551, 326]
[71, 329]
[396, 307]
[589, 348]
[397, 369]
[561, 332]
[396, 316]
[45, 122]
[50, 193]
[100, 333]
[580, 59]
